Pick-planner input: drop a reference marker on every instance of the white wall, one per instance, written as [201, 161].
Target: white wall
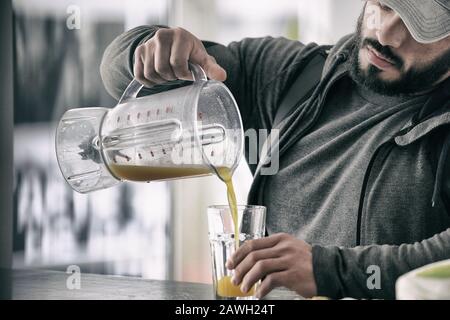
[325, 21]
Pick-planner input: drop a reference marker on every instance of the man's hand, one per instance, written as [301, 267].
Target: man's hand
[165, 57]
[283, 260]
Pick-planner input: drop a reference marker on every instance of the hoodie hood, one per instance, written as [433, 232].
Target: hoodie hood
[342, 49]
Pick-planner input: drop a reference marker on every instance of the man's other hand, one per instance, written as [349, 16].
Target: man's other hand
[280, 260]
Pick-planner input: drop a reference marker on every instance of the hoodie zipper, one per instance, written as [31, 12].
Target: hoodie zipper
[367, 174]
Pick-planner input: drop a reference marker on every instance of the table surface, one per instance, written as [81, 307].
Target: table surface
[48, 285]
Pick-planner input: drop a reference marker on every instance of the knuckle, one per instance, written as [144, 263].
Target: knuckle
[212, 59]
[260, 266]
[204, 59]
[139, 50]
[178, 30]
[178, 63]
[148, 45]
[181, 71]
[162, 69]
[271, 280]
[139, 74]
[238, 273]
[181, 74]
[252, 258]
[163, 34]
[281, 236]
[263, 290]
[149, 73]
[140, 79]
[275, 236]
[286, 248]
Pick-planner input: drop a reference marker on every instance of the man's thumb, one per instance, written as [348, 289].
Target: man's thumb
[213, 70]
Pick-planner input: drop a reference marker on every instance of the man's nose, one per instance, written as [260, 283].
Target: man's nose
[392, 32]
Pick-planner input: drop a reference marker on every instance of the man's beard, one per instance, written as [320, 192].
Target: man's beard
[413, 81]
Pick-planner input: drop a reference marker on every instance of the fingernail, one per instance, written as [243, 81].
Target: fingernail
[228, 264]
[244, 289]
[234, 280]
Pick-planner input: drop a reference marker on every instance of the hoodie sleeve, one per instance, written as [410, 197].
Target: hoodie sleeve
[346, 272]
[258, 70]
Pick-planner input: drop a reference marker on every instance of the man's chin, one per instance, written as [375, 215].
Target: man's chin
[375, 80]
[388, 75]
[385, 82]
[385, 76]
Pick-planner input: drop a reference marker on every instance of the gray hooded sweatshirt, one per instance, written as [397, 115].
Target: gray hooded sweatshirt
[362, 177]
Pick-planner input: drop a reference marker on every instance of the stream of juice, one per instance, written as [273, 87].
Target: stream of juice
[225, 288]
[226, 175]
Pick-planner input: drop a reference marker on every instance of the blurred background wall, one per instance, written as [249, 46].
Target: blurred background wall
[6, 159]
[123, 230]
[155, 230]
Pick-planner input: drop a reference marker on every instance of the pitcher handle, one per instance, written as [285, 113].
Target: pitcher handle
[135, 86]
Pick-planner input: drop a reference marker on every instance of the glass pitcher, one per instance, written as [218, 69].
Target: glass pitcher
[185, 132]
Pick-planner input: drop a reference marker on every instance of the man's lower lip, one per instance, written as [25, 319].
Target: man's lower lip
[377, 61]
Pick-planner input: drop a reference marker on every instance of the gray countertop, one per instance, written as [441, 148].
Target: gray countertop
[47, 285]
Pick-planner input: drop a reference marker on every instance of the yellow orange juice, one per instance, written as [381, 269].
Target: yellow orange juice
[226, 175]
[225, 288]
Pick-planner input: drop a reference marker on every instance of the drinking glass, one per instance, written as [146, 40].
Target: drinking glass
[251, 225]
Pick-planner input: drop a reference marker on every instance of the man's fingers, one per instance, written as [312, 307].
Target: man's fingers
[138, 71]
[149, 69]
[252, 245]
[250, 261]
[261, 269]
[179, 60]
[162, 62]
[165, 58]
[273, 280]
[161, 47]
